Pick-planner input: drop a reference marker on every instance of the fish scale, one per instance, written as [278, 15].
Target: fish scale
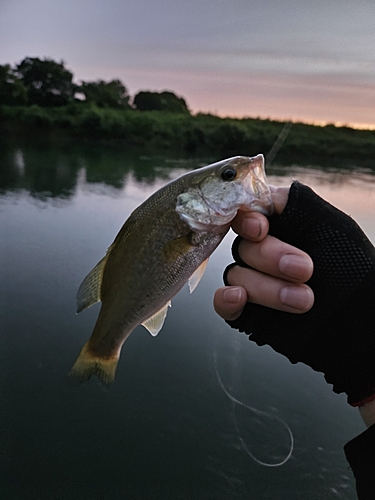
[165, 242]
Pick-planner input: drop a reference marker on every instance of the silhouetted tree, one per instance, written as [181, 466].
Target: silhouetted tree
[160, 101]
[12, 90]
[48, 82]
[111, 94]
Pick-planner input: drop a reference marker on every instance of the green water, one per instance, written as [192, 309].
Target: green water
[166, 429]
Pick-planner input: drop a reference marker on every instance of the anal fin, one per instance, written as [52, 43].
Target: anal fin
[155, 323]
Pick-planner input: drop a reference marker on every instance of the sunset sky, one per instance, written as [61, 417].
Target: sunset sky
[311, 60]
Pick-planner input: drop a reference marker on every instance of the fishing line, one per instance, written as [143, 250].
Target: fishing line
[269, 159]
[255, 411]
[279, 142]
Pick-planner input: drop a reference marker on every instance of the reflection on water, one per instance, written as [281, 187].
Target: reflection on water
[46, 171]
[166, 429]
[52, 171]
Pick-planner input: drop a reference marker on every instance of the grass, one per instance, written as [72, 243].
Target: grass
[192, 134]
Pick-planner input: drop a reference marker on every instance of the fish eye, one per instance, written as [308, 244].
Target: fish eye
[228, 173]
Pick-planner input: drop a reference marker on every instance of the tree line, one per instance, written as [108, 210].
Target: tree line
[48, 83]
[39, 98]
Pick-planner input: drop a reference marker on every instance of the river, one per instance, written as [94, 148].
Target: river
[169, 427]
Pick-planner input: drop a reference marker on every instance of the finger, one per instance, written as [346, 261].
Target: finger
[229, 301]
[276, 258]
[254, 226]
[270, 291]
[279, 197]
[250, 225]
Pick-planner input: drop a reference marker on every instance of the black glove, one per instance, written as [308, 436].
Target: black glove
[337, 335]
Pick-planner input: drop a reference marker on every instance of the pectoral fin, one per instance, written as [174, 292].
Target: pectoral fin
[89, 291]
[155, 323]
[197, 276]
[178, 247]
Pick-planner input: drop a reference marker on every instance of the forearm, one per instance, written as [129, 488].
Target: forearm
[360, 453]
[367, 412]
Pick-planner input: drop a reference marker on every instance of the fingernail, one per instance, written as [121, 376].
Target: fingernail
[251, 227]
[294, 266]
[298, 297]
[232, 295]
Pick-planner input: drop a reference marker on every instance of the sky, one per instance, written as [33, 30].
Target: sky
[310, 60]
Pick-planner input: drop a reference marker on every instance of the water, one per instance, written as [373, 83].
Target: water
[166, 429]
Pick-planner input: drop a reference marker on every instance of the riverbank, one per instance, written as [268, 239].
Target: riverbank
[186, 133]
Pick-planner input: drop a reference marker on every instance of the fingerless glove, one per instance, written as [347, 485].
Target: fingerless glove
[337, 335]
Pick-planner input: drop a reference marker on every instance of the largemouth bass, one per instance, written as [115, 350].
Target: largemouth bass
[165, 243]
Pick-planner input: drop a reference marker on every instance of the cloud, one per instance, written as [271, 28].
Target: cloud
[291, 55]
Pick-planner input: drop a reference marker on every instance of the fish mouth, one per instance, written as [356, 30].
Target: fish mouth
[252, 192]
[256, 187]
[214, 201]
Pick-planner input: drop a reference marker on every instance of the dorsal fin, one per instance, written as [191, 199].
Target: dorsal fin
[155, 323]
[89, 291]
[197, 276]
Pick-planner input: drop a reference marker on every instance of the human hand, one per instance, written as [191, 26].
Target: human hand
[278, 270]
[335, 333]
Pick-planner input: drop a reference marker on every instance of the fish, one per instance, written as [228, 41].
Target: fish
[165, 243]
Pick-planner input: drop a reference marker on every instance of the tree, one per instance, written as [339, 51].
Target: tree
[111, 94]
[160, 101]
[12, 90]
[48, 82]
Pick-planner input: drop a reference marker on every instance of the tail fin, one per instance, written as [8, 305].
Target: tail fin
[88, 364]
